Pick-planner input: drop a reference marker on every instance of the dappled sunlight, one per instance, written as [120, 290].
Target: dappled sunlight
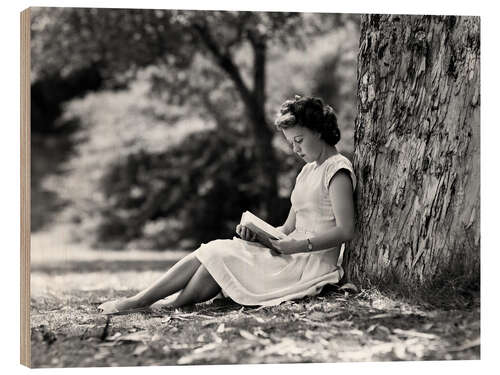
[334, 327]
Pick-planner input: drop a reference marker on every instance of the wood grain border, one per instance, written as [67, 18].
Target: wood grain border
[25, 341]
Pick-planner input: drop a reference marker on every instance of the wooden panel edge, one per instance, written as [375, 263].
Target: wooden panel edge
[25, 146]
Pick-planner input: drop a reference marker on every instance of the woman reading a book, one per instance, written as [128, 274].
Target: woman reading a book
[309, 256]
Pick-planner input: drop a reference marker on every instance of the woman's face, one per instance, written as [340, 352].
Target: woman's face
[305, 143]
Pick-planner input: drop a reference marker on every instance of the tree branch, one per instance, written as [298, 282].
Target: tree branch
[225, 62]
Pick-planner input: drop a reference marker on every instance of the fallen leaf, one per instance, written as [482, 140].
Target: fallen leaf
[260, 332]
[205, 348]
[467, 345]
[418, 349]
[201, 338]
[367, 353]
[209, 322]
[107, 344]
[136, 337]
[380, 316]
[156, 337]
[411, 333]
[114, 337]
[309, 334]
[400, 351]
[140, 349]
[187, 359]
[371, 328]
[101, 354]
[200, 315]
[197, 354]
[316, 315]
[220, 328]
[247, 335]
[287, 346]
[316, 307]
[384, 329]
[261, 307]
[324, 342]
[259, 319]
[427, 326]
[175, 346]
[184, 316]
[356, 332]
[349, 287]
[216, 338]
[312, 322]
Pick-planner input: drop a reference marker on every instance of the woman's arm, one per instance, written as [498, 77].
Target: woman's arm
[340, 192]
[289, 225]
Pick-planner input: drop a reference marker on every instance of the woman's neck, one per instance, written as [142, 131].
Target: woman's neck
[326, 152]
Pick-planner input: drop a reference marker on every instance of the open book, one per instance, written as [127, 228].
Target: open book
[263, 230]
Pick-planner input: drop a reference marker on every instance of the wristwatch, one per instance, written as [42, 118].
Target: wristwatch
[309, 245]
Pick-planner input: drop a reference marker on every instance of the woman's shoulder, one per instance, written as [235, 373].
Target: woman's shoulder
[338, 159]
[335, 164]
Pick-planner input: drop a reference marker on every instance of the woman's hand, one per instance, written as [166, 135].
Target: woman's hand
[288, 246]
[245, 233]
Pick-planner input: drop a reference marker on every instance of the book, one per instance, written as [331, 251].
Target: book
[263, 230]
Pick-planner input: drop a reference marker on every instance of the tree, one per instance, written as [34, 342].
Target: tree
[120, 41]
[417, 150]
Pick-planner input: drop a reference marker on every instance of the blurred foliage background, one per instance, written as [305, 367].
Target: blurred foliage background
[153, 129]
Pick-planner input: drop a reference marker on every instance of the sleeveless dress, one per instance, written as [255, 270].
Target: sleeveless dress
[250, 274]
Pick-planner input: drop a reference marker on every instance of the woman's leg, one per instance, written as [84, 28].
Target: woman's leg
[200, 288]
[172, 281]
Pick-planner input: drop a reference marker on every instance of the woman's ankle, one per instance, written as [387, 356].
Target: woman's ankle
[139, 301]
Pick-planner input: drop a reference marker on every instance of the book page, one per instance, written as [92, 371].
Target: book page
[260, 227]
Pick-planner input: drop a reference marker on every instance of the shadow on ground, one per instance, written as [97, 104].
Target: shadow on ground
[336, 326]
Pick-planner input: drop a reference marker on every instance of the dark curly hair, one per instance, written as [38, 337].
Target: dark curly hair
[310, 113]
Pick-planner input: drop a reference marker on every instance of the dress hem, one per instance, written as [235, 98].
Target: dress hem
[312, 287]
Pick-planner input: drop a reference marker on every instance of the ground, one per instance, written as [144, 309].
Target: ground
[339, 325]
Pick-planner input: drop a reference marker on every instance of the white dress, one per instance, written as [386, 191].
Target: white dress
[250, 274]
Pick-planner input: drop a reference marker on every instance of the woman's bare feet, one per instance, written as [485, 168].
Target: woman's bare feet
[128, 304]
[125, 306]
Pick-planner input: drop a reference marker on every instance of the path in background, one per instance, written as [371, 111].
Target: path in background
[59, 266]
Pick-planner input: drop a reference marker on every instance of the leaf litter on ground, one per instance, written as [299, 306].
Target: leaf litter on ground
[327, 328]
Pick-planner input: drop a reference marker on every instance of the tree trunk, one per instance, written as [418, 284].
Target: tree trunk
[267, 165]
[254, 102]
[263, 135]
[417, 150]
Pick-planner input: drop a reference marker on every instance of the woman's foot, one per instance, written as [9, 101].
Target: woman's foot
[128, 304]
[124, 306]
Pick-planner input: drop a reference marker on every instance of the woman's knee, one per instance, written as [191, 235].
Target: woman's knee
[219, 248]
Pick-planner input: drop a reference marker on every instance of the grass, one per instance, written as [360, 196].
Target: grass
[337, 326]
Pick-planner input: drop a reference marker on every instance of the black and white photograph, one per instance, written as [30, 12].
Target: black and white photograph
[208, 187]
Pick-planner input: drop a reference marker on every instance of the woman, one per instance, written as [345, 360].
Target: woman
[321, 219]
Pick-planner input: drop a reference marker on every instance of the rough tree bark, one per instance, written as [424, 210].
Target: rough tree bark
[417, 150]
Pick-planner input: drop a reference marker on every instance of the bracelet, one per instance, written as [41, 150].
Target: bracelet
[309, 245]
